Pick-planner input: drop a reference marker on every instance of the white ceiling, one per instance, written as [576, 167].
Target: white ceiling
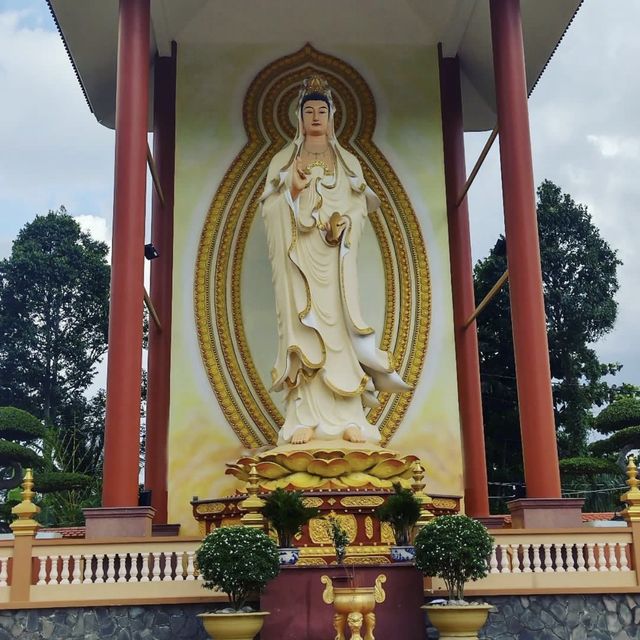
[89, 29]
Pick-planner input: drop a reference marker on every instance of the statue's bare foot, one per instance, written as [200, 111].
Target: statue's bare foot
[302, 435]
[353, 434]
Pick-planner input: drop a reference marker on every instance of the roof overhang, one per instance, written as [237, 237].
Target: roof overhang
[90, 33]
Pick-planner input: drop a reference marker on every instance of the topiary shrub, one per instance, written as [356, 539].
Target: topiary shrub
[287, 514]
[456, 549]
[238, 561]
[587, 466]
[623, 412]
[401, 510]
[627, 437]
[11, 452]
[16, 424]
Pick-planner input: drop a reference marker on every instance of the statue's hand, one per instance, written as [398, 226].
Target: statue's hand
[300, 180]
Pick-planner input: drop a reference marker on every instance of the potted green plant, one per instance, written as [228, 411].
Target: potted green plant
[339, 538]
[238, 561]
[456, 549]
[401, 510]
[287, 514]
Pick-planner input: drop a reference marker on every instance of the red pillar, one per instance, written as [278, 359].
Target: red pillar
[535, 401]
[159, 364]
[122, 428]
[468, 366]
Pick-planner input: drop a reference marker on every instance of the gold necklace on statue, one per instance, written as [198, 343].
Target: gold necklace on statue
[318, 161]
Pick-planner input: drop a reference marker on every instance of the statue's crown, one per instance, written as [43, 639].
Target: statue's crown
[315, 84]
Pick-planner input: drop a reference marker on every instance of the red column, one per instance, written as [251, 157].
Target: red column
[468, 366]
[122, 428]
[535, 401]
[159, 364]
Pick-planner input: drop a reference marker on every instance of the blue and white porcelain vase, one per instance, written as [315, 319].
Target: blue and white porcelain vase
[405, 553]
[289, 555]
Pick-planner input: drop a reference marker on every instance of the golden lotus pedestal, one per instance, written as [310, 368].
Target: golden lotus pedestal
[344, 480]
[354, 607]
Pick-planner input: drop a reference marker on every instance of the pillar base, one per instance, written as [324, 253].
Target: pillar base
[118, 522]
[546, 513]
[491, 522]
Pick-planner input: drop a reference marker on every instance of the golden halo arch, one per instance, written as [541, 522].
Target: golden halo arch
[243, 397]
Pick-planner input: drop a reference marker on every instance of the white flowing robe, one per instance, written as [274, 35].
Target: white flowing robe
[328, 362]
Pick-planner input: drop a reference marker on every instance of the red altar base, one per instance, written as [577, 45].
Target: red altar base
[354, 509]
[298, 612]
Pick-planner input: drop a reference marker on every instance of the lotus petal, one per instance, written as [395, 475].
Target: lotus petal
[388, 468]
[303, 480]
[361, 460]
[295, 461]
[329, 468]
[246, 462]
[238, 472]
[271, 470]
[356, 479]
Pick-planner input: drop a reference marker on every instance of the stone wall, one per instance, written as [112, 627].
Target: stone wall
[557, 617]
[562, 617]
[174, 622]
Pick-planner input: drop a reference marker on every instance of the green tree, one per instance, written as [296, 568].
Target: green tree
[54, 305]
[579, 272]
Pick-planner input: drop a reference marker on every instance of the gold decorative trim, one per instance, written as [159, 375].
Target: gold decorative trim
[386, 533]
[319, 529]
[312, 502]
[210, 508]
[311, 562]
[355, 550]
[368, 527]
[361, 501]
[243, 397]
[375, 560]
[445, 503]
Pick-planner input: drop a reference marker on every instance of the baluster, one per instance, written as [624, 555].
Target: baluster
[42, 572]
[111, 569]
[64, 575]
[624, 563]
[87, 569]
[122, 567]
[493, 562]
[613, 561]
[55, 572]
[559, 559]
[168, 566]
[99, 569]
[156, 567]
[570, 562]
[191, 569]
[4, 571]
[76, 560]
[548, 561]
[504, 559]
[144, 571]
[591, 560]
[515, 558]
[580, 556]
[179, 566]
[526, 559]
[602, 558]
[536, 559]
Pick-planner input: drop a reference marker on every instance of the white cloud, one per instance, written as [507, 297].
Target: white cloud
[95, 226]
[612, 146]
[54, 152]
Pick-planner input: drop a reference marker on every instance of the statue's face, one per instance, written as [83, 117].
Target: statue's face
[315, 118]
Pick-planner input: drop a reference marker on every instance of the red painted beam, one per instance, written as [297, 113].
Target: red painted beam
[535, 400]
[159, 364]
[467, 360]
[122, 428]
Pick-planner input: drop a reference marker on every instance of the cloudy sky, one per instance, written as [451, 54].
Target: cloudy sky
[584, 120]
